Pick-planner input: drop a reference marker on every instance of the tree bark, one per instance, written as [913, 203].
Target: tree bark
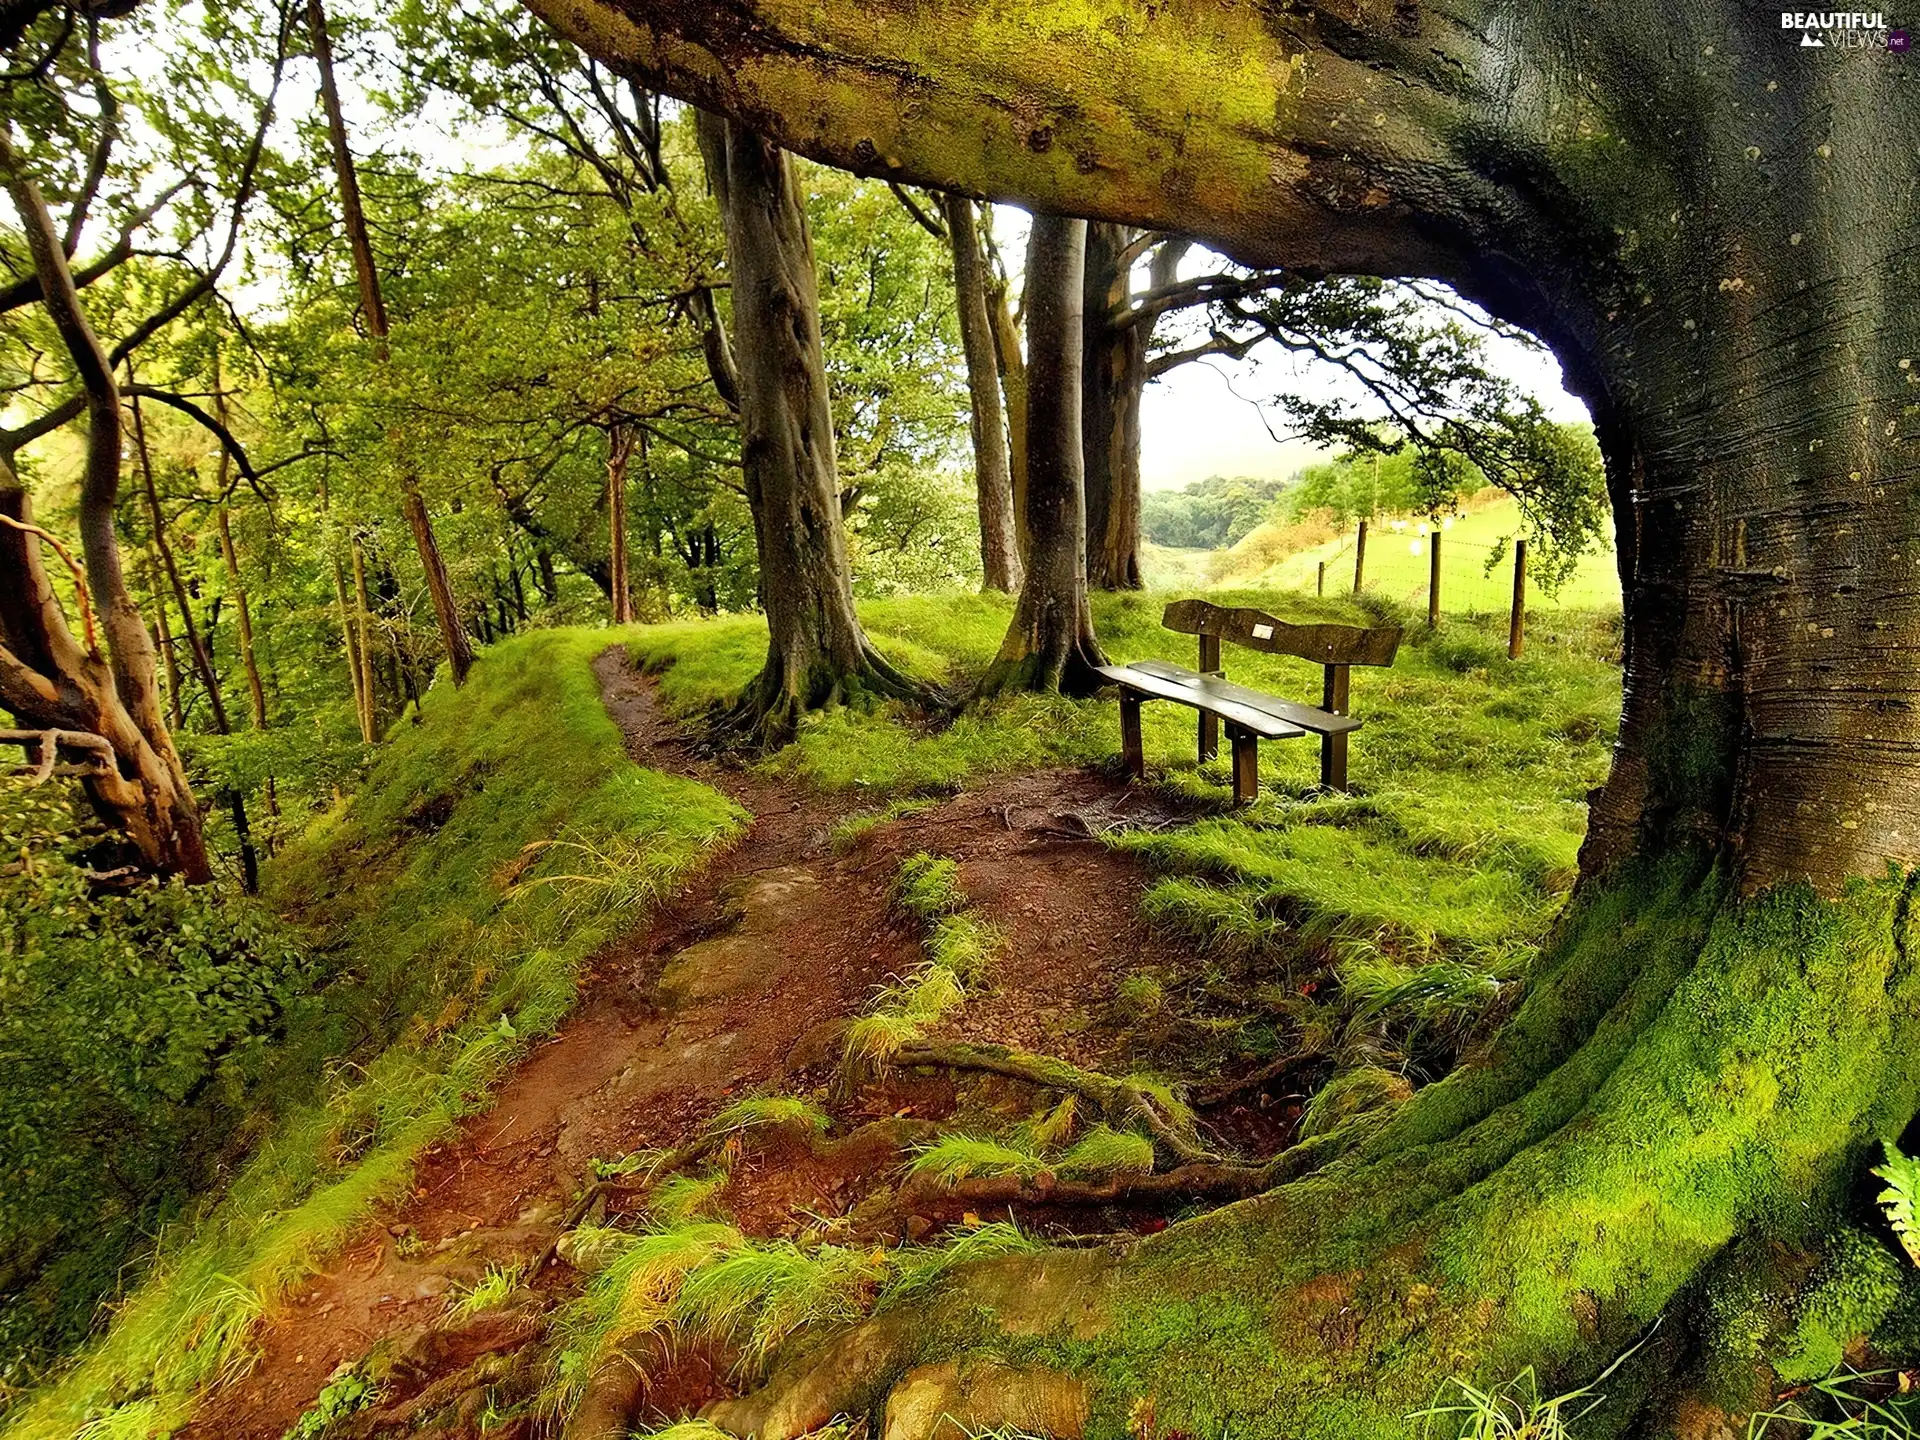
[1012, 365]
[373, 309]
[1050, 645]
[46, 679]
[992, 472]
[817, 654]
[363, 624]
[1114, 377]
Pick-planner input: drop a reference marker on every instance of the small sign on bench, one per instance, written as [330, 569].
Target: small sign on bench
[1250, 714]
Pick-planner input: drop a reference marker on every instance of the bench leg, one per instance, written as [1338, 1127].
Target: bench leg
[1333, 761]
[1209, 737]
[1132, 750]
[1246, 765]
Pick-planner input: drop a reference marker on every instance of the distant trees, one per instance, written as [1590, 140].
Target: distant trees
[1209, 514]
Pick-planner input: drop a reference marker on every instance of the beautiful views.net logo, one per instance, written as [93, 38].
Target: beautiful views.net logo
[1845, 29]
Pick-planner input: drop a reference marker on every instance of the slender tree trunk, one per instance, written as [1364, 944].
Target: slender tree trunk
[256, 692]
[164, 638]
[620, 452]
[993, 475]
[1050, 644]
[47, 679]
[197, 649]
[817, 653]
[446, 609]
[373, 310]
[1114, 376]
[1011, 362]
[349, 641]
[363, 625]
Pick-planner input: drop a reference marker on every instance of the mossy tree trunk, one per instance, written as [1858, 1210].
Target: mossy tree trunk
[1712, 226]
[993, 474]
[1050, 645]
[817, 653]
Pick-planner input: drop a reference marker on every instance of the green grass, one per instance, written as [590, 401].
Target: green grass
[762, 1112]
[1395, 571]
[453, 926]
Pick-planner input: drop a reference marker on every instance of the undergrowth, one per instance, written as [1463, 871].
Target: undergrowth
[453, 900]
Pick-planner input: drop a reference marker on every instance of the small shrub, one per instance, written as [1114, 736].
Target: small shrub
[1899, 1199]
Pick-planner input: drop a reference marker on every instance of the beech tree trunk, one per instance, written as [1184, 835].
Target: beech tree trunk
[817, 653]
[1114, 378]
[47, 678]
[1050, 645]
[373, 309]
[992, 470]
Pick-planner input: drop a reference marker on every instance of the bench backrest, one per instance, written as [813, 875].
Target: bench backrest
[1332, 645]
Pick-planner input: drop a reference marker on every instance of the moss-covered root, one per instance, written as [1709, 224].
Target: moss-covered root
[908, 1361]
[1693, 1077]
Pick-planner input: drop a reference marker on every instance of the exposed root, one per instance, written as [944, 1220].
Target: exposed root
[768, 711]
[1119, 1099]
[1304, 1060]
[952, 1400]
[1198, 1181]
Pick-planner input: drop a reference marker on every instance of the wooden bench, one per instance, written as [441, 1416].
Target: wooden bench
[1251, 715]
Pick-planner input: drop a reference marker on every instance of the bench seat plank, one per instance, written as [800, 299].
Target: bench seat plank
[1234, 712]
[1308, 717]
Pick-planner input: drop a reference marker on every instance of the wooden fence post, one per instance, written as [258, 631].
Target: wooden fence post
[1433, 581]
[1517, 625]
[1359, 557]
[1320, 584]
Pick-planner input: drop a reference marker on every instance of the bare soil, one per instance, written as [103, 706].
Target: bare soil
[741, 982]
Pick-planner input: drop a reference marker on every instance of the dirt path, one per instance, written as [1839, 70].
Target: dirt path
[733, 985]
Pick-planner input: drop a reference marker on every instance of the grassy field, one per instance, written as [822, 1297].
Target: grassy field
[1396, 567]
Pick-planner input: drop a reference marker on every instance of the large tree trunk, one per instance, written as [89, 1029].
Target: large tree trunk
[49, 681]
[1113, 377]
[1707, 224]
[992, 473]
[817, 654]
[373, 312]
[1050, 645]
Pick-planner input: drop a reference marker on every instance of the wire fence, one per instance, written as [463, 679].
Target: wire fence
[1475, 578]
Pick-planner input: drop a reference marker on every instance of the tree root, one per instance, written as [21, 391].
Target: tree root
[1198, 1181]
[767, 713]
[1118, 1099]
[952, 1400]
[1259, 1079]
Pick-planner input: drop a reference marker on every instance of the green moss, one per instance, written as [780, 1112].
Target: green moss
[1854, 1290]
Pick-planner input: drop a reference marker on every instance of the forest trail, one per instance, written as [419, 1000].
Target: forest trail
[740, 983]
